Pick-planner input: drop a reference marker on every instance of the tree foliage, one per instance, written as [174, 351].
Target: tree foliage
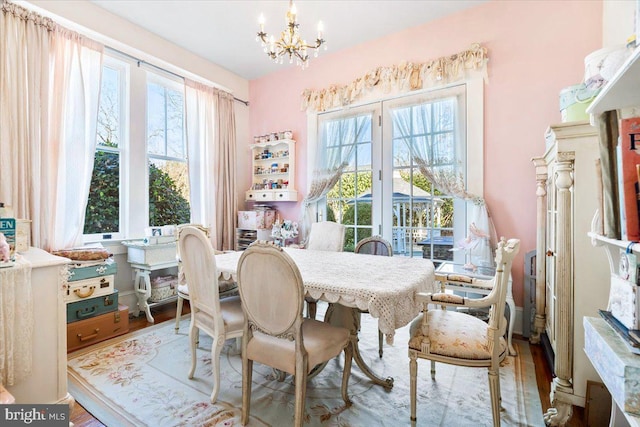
[346, 189]
[167, 205]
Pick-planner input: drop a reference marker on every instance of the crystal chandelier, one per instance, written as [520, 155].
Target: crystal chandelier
[290, 43]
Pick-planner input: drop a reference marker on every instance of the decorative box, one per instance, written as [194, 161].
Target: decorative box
[92, 307]
[163, 287]
[254, 220]
[78, 272]
[88, 288]
[140, 253]
[624, 303]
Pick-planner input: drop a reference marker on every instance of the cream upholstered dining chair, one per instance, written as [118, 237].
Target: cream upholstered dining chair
[324, 236]
[183, 290]
[275, 332]
[225, 287]
[461, 339]
[374, 245]
[220, 319]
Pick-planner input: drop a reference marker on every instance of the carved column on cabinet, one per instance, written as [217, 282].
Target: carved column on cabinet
[562, 387]
[541, 208]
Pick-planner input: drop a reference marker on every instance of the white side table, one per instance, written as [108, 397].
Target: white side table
[452, 276]
[144, 259]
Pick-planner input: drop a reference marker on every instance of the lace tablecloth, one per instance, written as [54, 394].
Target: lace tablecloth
[384, 286]
[16, 322]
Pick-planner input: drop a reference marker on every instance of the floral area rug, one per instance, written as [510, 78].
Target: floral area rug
[140, 379]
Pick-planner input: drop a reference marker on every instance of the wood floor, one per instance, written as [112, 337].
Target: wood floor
[81, 418]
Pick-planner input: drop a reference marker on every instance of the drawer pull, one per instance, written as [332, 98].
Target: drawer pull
[550, 252]
[89, 337]
[88, 293]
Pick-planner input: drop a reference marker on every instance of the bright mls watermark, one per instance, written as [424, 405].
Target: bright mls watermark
[34, 415]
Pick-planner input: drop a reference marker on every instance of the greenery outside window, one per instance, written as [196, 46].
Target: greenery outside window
[103, 215]
[167, 153]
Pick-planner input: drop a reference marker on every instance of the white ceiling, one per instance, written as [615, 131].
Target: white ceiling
[224, 32]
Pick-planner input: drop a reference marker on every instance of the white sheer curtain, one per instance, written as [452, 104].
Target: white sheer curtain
[77, 72]
[335, 151]
[437, 164]
[211, 152]
[49, 90]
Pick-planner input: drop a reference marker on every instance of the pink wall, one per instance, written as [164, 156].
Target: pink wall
[535, 49]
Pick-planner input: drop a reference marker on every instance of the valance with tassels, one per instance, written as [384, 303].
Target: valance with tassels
[404, 77]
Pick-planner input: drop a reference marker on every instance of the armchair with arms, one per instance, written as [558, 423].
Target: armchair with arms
[461, 339]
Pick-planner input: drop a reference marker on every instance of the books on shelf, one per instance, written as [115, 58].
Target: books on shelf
[629, 178]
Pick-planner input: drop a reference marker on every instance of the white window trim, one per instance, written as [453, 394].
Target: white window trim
[123, 150]
[134, 207]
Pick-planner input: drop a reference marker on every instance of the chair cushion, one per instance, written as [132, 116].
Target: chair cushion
[232, 315]
[453, 334]
[224, 286]
[321, 340]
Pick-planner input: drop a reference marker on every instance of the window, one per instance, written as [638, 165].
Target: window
[350, 201]
[140, 174]
[166, 149]
[104, 214]
[423, 220]
[382, 190]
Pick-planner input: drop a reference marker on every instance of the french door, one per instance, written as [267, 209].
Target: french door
[382, 189]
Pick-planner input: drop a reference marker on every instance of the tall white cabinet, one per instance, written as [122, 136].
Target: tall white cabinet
[572, 279]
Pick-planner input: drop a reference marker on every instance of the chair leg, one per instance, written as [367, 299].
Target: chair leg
[433, 369]
[178, 313]
[312, 308]
[413, 378]
[193, 337]
[494, 388]
[348, 358]
[301, 391]
[216, 349]
[247, 372]
[380, 339]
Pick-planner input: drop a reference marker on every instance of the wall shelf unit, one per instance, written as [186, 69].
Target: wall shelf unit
[623, 90]
[604, 347]
[273, 172]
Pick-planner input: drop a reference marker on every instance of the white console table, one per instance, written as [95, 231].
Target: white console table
[618, 368]
[145, 259]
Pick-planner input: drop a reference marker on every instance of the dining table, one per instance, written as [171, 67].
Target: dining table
[385, 287]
